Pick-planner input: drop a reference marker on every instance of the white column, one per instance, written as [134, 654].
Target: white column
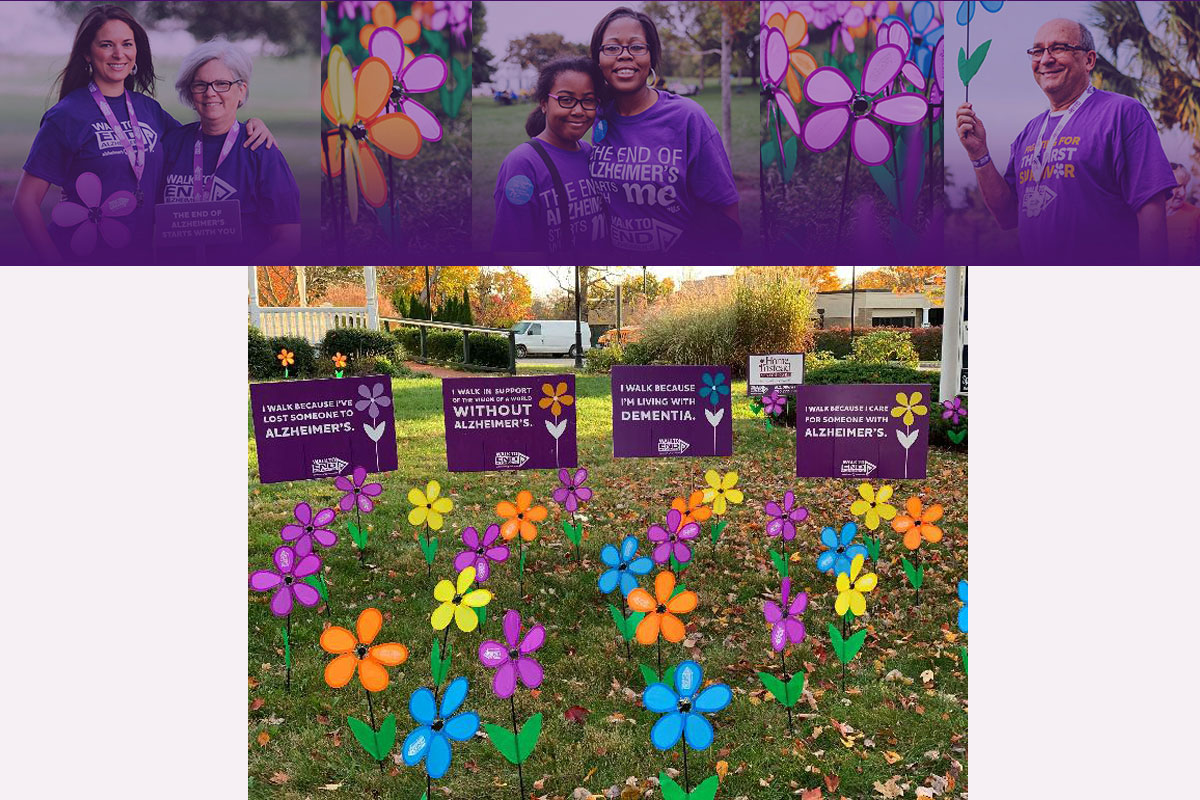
[372, 298]
[254, 315]
[302, 286]
[951, 334]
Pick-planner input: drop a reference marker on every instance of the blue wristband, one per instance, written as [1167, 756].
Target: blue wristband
[983, 162]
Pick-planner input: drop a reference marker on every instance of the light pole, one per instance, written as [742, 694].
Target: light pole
[578, 326]
[853, 277]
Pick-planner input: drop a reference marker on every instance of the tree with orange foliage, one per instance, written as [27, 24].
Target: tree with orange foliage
[500, 298]
[930, 281]
[821, 278]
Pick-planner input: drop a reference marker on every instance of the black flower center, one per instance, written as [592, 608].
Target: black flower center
[660, 609]
[360, 652]
[397, 92]
[479, 550]
[308, 528]
[359, 131]
[429, 505]
[437, 725]
[457, 599]
[520, 516]
[94, 215]
[685, 704]
[841, 548]
[622, 567]
[916, 38]
[860, 105]
[513, 654]
[288, 580]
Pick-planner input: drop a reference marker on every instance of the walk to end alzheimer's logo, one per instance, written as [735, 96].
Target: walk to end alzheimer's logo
[109, 144]
[178, 189]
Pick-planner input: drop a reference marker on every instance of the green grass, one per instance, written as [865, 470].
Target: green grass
[924, 726]
[498, 129]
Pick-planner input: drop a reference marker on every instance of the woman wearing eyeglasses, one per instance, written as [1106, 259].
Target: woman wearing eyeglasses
[658, 158]
[545, 200]
[101, 145]
[206, 162]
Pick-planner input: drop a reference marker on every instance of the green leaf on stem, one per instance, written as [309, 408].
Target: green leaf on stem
[504, 740]
[649, 676]
[359, 536]
[780, 563]
[872, 548]
[377, 743]
[528, 738]
[717, 529]
[968, 66]
[915, 576]
[964, 658]
[287, 648]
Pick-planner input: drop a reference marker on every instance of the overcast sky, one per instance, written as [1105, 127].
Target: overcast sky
[542, 279]
[575, 21]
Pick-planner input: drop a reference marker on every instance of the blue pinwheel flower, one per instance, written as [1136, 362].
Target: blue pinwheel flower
[927, 31]
[624, 567]
[966, 9]
[962, 612]
[681, 708]
[714, 387]
[840, 553]
[431, 741]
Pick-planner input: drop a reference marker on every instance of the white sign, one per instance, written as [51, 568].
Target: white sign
[782, 371]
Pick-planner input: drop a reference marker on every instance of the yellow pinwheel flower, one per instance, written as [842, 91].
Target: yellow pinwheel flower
[720, 490]
[874, 506]
[428, 508]
[851, 587]
[458, 602]
[909, 405]
[556, 397]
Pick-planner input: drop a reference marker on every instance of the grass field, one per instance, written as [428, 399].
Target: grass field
[498, 129]
[903, 716]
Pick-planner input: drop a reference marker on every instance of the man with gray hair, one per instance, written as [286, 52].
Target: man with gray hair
[1087, 180]
[1183, 221]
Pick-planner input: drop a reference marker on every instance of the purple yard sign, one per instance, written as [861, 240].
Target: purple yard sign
[671, 411]
[323, 428]
[509, 423]
[863, 431]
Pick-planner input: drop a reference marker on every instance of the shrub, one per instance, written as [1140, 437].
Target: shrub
[818, 360]
[489, 350]
[636, 353]
[305, 358]
[835, 340]
[443, 345]
[885, 344]
[375, 365]
[410, 339]
[602, 359]
[261, 362]
[927, 341]
[357, 343]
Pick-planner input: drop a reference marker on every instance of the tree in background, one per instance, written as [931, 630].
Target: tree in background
[444, 282]
[481, 57]
[820, 278]
[501, 298]
[537, 49]
[930, 281]
[279, 287]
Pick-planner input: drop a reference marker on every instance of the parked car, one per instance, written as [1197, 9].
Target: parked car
[549, 337]
[630, 333]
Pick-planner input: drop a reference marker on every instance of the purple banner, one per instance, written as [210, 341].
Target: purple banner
[671, 411]
[323, 428]
[866, 431]
[509, 423]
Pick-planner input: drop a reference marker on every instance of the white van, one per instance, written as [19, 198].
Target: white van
[550, 336]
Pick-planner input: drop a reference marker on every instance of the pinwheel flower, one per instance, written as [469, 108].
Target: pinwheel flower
[683, 706]
[908, 405]
[94, 215]
[373, 399]
[555, 397]
[938, 93]
[927, 31]
[513, 661]
[355, 649]
[452, 14]
[349, 9]
[713, 388]
[339, 361]
[873, 507]
[572, 493]
[851, 587]
[480, 553]
[672, 540]
[692, 509]
[720, 490]
[917, 524]
[519, 518]
[954, 410]
[286, 358]
[285, 579]
[962, 612]
[852, 24]
[625, 566]
[412, 75]
[841, 552]
[438, 727]
[773, 402]
[458, 602]
[428, 507]
[895, 31]
[820, 13]
[786, 627]
[843, 103]
[308, 527]
[384, 16]
[356, 491]
[660, 610]
[795, 33]
[966, 9]
[783, 518]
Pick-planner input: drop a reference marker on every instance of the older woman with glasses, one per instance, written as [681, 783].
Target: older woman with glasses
[205, 161]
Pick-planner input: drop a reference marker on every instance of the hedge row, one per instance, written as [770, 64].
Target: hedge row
[369, 353]
[487, 349]
[928, 341]
[262, 361]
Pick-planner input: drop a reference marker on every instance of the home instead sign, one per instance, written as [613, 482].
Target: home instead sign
[782, 371]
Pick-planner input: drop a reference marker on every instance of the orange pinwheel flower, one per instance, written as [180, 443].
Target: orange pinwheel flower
[339, 360]
[661, 609]
[286, 357]
[693, 509]
[383, 15]
[918, 524]
[519, 518]
[556, 397]
[357, 650]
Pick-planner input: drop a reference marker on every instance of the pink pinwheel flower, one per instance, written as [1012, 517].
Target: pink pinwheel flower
[672, 540]
[871, 144]
[455, 14]
[822, 13]
[349, 9]
[572, 493]
[513, 661]
[851, 19]
[773, 402]
[480, 553]
[412, 76]
[786, 627]
[286, 580]
[357, 492]
[95, 215]
[897, 33]
[938, 93]
[772, 67]
[307, 527]
[954, 410]
[783, 518]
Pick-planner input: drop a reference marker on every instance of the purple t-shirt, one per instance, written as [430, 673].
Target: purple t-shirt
[528, 209]
[260, 180]
[657, 169]
[1107, 163]
[73, 138]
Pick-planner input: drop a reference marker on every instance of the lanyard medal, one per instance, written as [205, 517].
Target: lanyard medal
[135, 150]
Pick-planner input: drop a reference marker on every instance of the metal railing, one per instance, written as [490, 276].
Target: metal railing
[423, 325]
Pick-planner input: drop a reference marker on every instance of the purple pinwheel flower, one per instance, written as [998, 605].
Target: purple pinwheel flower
[373, 400]
[938, 92]
[672, 540]
[286, 580]
[480, 553]
[356, 491]
[783, 519]
[572, 493]
[307, 527]
[773, 402]
[513, 661]
[820, 14]
[351, 8]
[852, 18]
[93, 215]
[413, 76]
[455, 14]
[827, 86]
[896, 32]
[954, 411]
[772, 69]
[786, 628]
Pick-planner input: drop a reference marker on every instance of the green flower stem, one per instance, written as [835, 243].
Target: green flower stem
[371, 711]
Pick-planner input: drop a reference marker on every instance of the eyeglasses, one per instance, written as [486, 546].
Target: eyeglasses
[635, 49]
[1056, 50]
[220, 87]
[567, 101]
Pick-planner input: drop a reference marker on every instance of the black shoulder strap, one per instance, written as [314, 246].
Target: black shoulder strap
[564, 212]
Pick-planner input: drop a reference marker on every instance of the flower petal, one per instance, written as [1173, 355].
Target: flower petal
[827, 86]
[530, 672]
[336, 639]
[465, 618]
[866, 583]
[534, 638]
[281, 601]
[372, 674]
[504, 682]
[339, 671]
[416, 744]
[659, 699]
[437, 763]
[462, 727]
[688, 677]
[870, 142]
[883, 65]
[904, 108]
[683, 602]
[664, 584]
[698, 732]
[465, 579]
[454, 696]
[858, 603]
[264, 580]
[441, 616]
[824, 129]
[444, 591]
[672, 628]
[640, 600]
[666, 732]
[648, 629]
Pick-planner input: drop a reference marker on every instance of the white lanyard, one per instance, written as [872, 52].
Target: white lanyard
[1039, 154]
